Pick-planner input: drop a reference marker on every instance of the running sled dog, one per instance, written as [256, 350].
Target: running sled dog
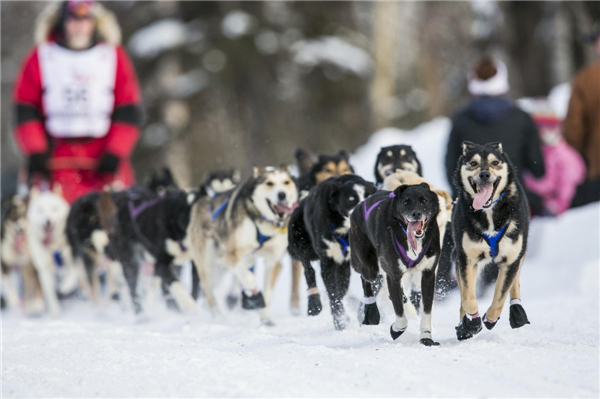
[489, 225]
[235, 228]
[398, 231]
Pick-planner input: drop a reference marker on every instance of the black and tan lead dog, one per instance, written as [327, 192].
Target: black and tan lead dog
[396, 157]
[490, 226]
[397, 230]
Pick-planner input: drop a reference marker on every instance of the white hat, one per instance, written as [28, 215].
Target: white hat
[497, 85]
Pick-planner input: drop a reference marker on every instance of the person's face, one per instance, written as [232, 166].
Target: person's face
[78, 32]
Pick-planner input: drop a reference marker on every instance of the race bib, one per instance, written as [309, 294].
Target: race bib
[78, 94]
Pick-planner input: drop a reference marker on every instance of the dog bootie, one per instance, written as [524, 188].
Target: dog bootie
[395, 334]
[314, 304]
[429, 342]
[518, 317]
[372, 315]
[469, 326]
[254, 301]
[488, 323]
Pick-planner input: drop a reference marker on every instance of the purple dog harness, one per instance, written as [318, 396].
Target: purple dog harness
[401, 251]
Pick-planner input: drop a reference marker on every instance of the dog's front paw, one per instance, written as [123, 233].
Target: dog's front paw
[254, 301]
[372, 315]
[340, 321]
[429, 342]
[314, 304]
[488, 323]
[518, 317]
[468, 327]
[395, 334]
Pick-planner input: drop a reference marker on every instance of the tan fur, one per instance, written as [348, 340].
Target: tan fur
[106, 23]
[331, 169]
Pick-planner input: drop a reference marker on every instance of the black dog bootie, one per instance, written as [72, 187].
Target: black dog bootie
[518, 317]
[468, 327]
[255, 301]
[314, 304]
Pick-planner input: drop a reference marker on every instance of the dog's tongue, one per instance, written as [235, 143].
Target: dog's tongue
[482, 196]
[47, 238]
[283, 208]
[410, 234]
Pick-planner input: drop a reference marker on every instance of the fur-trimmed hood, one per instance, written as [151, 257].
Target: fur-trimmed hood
[106, 24]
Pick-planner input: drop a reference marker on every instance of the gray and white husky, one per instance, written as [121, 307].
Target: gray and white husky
[235, 228]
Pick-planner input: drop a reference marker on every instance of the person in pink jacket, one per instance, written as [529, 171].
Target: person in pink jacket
[565, 168]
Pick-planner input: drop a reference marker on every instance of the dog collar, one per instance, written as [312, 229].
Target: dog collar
[368, 211]
[216, 213]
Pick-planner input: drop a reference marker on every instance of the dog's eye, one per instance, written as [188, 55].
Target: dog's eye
[495, 163]
[270, 184]
[287, 182]
[351, 198]
[423, 200]
[405, 203]
[473, 163]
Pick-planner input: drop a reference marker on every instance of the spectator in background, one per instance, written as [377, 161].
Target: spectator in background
[77, 101]
[582, 124]
[565, 168]
[491, 117]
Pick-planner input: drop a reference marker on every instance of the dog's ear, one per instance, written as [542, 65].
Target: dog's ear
[344, 155]
[258, 172]
[305, 159]
[57, 189]
[284, 168]
[168, 174]
[497, 146]
[467, 146]
[236, 176]
[424, 185]
[400, 190]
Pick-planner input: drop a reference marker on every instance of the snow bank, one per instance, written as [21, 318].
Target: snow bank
[333, 50]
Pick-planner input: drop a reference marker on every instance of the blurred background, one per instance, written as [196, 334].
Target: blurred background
[235, 84]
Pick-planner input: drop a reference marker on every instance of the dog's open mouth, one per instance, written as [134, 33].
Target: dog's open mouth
[484, 193]
[281, 209]
[47, 237]
[415, 231]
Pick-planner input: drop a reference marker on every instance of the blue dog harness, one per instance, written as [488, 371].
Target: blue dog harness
[260, 237]
[493, 240]
[343, 241]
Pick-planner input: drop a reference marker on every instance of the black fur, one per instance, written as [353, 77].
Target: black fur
[167, 218]
[162, 181]
[328, 204]
[396, 160]
[373, 243]
[218, 175]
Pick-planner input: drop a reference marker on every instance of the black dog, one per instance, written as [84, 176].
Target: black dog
[399, 231]
[490, 224]
[318, 230]
[396, 157]
[162, 181]
[136, 220]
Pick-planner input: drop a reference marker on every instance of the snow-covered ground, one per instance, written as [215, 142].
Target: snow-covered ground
[91, 353]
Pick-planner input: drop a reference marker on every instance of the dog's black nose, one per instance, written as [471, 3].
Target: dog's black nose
[281, 196]
[416, 215]
[484, 175]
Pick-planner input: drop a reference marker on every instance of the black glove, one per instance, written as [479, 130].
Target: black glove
[38, 164]
[108, 163]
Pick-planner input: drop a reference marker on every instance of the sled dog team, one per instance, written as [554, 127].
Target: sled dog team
[390, 231]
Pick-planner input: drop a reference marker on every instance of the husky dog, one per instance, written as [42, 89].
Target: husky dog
[48, 246]
[15, 258]
[490, 225]
[396, 157]
[319, 231]
[236, 227]
[315, 169]
[220, 181]
[399, 232]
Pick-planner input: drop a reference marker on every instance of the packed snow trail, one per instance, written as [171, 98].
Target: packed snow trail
[89, 354]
